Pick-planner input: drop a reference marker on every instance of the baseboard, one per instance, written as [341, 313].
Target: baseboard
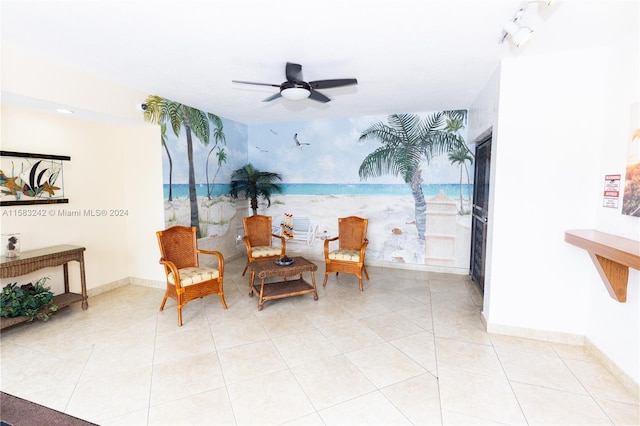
[622, 377]
[148, 283]
[125, 281]
[92, 292]
[569, 339]
[529, 333]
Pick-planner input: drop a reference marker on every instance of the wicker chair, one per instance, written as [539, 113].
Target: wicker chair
[258, 239]
[186, 279]
[352, 245]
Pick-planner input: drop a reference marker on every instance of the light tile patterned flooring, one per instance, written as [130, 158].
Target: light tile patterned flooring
[411, 349]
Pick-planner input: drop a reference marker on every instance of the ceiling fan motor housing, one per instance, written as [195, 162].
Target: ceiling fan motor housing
[295, 85]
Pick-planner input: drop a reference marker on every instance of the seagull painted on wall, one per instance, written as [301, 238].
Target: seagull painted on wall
[260, 149]
[298, 143]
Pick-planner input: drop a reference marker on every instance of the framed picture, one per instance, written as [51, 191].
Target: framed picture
[27, 178]
[631, 197]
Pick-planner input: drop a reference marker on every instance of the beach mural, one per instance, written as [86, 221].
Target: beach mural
[409, 174]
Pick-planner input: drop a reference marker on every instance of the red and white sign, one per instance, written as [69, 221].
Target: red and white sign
[611, 191]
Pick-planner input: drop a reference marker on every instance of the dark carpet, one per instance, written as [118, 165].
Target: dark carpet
[16, 411]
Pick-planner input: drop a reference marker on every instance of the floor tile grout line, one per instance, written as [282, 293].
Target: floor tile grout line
[513, 391]
[586, 389]
[435, 353]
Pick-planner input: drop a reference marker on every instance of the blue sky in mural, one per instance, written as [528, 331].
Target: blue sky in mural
[329, 152]
[333, 153]
[235, 148]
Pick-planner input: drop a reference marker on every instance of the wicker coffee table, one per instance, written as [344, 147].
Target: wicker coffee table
[277, 290]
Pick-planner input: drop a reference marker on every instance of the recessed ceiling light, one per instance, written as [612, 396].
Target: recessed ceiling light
[64, 111]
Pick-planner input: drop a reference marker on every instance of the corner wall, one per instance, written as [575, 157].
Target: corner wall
[557, 135]
[115, 164]
[614, 327]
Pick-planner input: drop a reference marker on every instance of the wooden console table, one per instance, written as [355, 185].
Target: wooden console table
[612, 256]
[33, 260]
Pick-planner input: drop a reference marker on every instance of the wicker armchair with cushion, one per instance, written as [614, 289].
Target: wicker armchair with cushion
[186, 279]
[348, 257]
[258, 239]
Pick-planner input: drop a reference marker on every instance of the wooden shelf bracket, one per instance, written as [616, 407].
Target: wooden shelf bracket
[612, 256]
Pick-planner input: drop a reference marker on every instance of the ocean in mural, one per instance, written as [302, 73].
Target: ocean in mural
[451, 190]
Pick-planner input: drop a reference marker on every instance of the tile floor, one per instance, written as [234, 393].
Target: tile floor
[411, 349]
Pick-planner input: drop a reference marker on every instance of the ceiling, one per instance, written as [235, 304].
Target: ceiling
[408, 55]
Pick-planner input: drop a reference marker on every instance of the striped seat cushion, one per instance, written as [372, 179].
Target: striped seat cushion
[195, 275]
[263, 251]
[350, 255]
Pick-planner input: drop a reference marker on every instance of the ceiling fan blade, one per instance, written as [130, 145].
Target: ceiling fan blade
[293, 72]
[272, 97]
[328, 84]
[257, 84]
[317, 96]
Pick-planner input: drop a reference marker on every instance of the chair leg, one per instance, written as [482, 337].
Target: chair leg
[180, 301]
[360, 279]
[326, 275]
[245, 268]
[164, 300]
[366, 274]
[224, 304]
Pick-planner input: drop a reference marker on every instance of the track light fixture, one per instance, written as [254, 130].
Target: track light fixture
[519, 33]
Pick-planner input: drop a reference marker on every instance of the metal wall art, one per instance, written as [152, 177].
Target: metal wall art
[27, 178]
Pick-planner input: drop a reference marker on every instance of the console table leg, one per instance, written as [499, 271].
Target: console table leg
[65, 269]
[83, 283]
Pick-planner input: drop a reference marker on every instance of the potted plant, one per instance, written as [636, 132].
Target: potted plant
[253, 184]
[34, 301]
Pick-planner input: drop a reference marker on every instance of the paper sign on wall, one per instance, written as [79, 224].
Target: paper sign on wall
[611, 191]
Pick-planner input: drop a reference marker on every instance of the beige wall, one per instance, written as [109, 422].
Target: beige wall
[111, 167]
[115, 164]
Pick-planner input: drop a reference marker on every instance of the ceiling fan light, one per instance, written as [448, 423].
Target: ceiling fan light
[295, 93]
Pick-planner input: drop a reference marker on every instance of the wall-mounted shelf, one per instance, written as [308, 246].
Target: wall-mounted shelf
[612, 256]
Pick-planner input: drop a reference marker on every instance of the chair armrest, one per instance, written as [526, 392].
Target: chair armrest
[363, 249]
[326, 245]
[247, 244]
[283, 242]
[216, 254]
[170, 267]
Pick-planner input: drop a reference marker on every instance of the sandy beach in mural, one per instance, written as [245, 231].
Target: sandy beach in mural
[391, 220]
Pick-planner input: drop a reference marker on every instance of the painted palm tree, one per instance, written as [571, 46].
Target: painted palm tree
[221, 155]
[219, 139]
[407, 141]
[163, 139]
[195, 122]
[459, 155]
[254, 184]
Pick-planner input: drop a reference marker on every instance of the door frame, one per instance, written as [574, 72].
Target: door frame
[483, 220]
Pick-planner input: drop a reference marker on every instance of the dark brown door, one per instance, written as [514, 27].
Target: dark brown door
[480, 210]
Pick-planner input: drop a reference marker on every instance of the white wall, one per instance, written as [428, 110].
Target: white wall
[558, 116]
[548, 141]
[614, 326]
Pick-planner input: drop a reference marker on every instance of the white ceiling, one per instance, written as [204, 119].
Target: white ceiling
[408, 55]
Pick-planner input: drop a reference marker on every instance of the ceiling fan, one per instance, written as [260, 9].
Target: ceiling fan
[295, 88]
